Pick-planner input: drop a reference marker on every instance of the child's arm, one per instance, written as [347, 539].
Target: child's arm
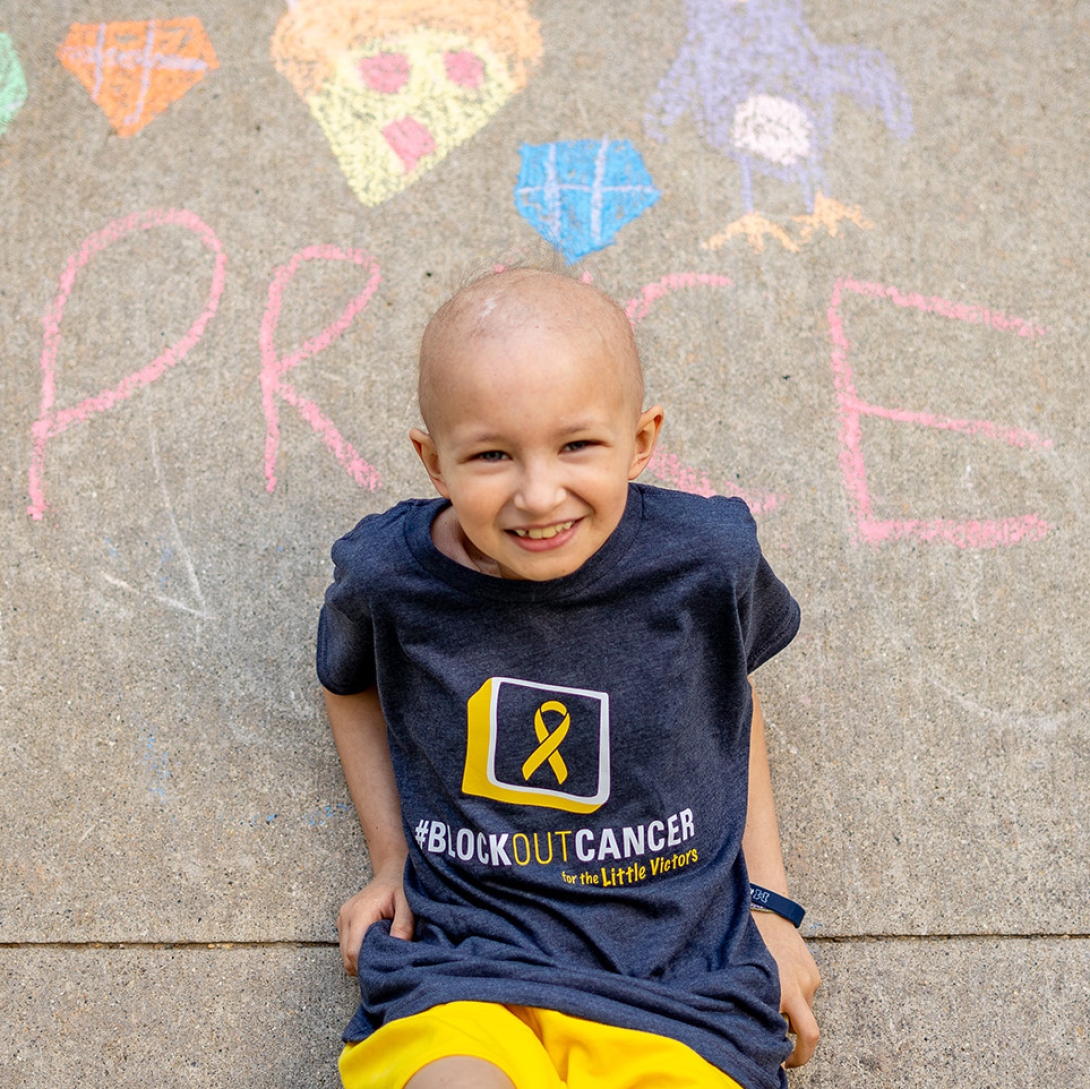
[799, 977]
[359, 730]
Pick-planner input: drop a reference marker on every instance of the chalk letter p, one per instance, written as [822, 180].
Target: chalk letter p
[52, 421]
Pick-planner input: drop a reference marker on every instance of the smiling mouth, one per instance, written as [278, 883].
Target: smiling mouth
[544, 533]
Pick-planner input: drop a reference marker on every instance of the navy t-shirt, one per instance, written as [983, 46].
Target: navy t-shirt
[572, 760]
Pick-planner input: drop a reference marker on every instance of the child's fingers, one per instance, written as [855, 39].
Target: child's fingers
[355, 916]
[403, 922]
[804, 1026]
[348, 957]
[376, 901]
[351, 938]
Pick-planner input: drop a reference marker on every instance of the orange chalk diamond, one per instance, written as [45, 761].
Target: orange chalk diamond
[134, 71]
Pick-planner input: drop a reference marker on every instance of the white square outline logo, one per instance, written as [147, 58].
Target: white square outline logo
[480, 777]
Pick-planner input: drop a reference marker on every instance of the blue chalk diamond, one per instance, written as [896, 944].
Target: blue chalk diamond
[579, 193]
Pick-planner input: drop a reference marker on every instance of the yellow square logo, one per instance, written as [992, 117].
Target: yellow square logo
[538, 744]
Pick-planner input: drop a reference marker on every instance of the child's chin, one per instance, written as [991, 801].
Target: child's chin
[543, 566]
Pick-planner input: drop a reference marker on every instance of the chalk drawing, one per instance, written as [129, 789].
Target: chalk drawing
[763, 90]
[134, 71]
[156, 767]
[638, 307]
[315, 818]
[177, 548]
[578, 194]
[13, 90]
[987, 533]
[274, 368]
[396, 85]
[667, 466]
[160, 774]
[1044, 725]
[321, 817]
[318, 818]
[53, 421]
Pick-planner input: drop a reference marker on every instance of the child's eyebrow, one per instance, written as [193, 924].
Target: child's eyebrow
[563, 431]
[483, 438]
[579, 426]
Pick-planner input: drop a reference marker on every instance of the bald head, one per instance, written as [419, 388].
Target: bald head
[523, 302]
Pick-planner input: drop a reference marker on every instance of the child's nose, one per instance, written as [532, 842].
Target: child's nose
[540, 490]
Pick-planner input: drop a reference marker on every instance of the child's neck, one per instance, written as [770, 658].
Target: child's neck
[447, 536]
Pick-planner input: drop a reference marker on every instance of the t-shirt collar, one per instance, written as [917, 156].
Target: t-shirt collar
[418, 538]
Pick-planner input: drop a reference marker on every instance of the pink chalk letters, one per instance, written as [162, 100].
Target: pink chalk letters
[275, 387]
[52, 421]
[664, 465]
[988, 533]
[639, 307]
[273, 368]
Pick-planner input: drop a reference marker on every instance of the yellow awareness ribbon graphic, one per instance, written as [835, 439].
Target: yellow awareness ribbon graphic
[549, 742]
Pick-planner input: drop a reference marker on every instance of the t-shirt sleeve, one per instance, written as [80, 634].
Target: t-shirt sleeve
[769, 616]
[346, 640]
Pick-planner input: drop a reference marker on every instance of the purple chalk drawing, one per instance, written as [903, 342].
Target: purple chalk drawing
[578, 194]
[763, 90]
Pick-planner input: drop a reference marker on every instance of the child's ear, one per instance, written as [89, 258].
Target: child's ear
[428, 453]
[648, 427]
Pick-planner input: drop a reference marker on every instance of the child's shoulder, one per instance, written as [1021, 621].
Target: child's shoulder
[688, 514]
[686, 534]
[382, 538]
[382, 523]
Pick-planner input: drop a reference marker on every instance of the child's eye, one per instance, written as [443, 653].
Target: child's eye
[579, 444]
[490, 455]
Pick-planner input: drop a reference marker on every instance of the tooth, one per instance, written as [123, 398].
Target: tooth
[544, 533]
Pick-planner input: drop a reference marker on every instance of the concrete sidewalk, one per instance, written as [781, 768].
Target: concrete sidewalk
[212, 275]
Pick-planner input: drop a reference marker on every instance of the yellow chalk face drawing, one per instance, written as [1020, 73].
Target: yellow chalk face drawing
[538, 744]
[396, 86]
[397, 107]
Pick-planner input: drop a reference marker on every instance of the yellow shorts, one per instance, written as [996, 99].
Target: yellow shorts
[535, 1048]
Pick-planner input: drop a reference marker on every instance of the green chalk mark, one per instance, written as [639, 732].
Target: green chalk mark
[12, 82]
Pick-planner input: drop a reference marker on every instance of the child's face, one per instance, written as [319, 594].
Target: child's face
[535, 441]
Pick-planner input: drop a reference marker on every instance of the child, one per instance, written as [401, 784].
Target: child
[538, 687]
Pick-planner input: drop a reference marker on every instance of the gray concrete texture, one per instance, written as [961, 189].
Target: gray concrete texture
[176, 833]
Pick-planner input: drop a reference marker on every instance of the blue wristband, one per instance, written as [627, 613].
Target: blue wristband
[772, 901]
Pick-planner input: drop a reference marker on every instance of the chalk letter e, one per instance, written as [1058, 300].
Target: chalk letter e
[963, 534]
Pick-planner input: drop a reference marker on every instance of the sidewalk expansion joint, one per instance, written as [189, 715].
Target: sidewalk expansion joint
[186, 945]
[291, 943]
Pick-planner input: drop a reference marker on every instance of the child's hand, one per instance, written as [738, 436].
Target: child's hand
[799, 979]
[382, 898]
